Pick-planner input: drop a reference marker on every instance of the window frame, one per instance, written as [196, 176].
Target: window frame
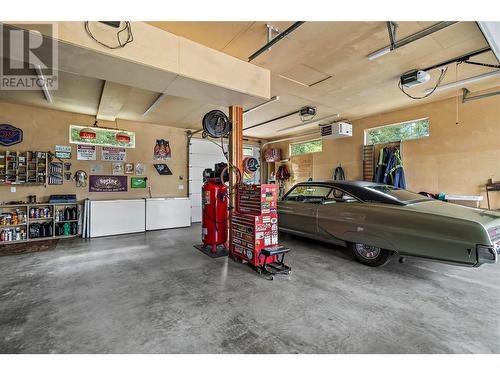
[302, 142]
[394, 125]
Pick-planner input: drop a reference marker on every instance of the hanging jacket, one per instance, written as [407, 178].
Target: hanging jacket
[339, 173]
[394, 173]
[398, 174]
[282, 174]
[383, 160]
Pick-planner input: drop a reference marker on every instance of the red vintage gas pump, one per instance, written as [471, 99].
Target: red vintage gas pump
[214, 201]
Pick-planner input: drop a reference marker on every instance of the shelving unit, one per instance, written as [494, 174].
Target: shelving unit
[27, 224]
[23, 168]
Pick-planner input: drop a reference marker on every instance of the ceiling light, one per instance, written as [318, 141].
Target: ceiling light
[337, 115]
[43, 85]
[410, 39]
[466, 81]
[274, 98]
[379, 53]
[491, 32]
[157, 101]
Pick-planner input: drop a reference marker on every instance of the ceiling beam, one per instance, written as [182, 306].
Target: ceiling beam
[276, 39]
[158, 61]
[113, 98]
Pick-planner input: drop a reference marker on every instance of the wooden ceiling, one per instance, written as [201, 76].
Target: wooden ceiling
[357, 88]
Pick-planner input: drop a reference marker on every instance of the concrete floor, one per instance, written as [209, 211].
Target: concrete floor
[154, 293]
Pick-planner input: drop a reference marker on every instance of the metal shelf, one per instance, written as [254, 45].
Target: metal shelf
[12, 225]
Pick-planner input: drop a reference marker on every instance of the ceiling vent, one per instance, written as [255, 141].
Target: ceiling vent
[336, 130]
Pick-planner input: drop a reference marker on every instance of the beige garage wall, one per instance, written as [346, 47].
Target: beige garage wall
[456, 159]
[43, 129]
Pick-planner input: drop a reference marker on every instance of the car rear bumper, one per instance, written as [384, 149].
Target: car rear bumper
[487, 254]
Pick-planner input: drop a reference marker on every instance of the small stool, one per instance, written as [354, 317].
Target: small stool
[276, 268]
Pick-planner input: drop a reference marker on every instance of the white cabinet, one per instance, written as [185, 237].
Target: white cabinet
[164, 213]
[117, 217]
[112, 217]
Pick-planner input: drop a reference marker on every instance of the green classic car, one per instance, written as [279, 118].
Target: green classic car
[377, 221]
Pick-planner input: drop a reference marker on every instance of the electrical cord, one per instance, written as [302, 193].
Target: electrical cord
[440, 79]
[230, 167]
[127, 27]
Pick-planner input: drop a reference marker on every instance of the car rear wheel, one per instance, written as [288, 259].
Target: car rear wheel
[370, 255]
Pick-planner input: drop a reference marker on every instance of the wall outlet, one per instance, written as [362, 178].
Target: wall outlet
[181, 187]
[12, 189]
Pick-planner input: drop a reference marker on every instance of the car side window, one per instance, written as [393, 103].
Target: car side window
[308, 194]
[338, 196]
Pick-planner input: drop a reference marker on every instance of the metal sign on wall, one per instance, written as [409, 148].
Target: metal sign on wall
[63, 152]
[85, 152]
[85, 135]
[10, 135]
[107, 184]
[113, 154]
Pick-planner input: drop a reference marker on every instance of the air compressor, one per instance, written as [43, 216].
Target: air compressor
[214, 202]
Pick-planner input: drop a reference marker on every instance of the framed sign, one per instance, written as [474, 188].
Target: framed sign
[138, 182]
[85, 135]
[95, 168]
[107, 184]
[162, 150]
[85, 152]
[63, 152]
[162, 169]
[63, 155]
[117, 168]
[129, 168]
[10, 135]
[140, 169]
[113, 154]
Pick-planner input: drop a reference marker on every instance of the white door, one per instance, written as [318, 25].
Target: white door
[203, 154]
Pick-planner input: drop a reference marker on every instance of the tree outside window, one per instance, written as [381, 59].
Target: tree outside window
[308, 147]
[398, 132]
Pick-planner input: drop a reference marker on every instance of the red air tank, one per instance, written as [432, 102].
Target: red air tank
[214, 221]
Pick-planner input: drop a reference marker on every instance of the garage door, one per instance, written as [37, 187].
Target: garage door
[202, 154]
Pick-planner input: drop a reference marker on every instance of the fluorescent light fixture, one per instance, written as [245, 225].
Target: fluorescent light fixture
[411, 38]
[153, 105]
[466, 81]
[491, 32]
[336, 115]
[274, 98]
[45, 89]
[379, 53]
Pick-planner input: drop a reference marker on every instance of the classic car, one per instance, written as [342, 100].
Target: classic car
[377, 221]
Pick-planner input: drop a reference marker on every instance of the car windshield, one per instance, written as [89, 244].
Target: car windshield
[400, 195]
[308, 193]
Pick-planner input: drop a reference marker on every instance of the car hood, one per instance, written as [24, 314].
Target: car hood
[486, 217]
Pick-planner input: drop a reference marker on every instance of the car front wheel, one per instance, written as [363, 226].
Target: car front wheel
[370, 255]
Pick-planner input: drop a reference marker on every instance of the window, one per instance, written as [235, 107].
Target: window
[308, 147]
[398, 132]
[339, 196]
[401, 195]
[308, 193]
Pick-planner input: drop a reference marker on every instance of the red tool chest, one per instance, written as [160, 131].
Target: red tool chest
[251, 233]
[258, 199]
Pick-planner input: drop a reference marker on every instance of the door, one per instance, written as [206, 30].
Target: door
[298, 210]
[203, 154]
